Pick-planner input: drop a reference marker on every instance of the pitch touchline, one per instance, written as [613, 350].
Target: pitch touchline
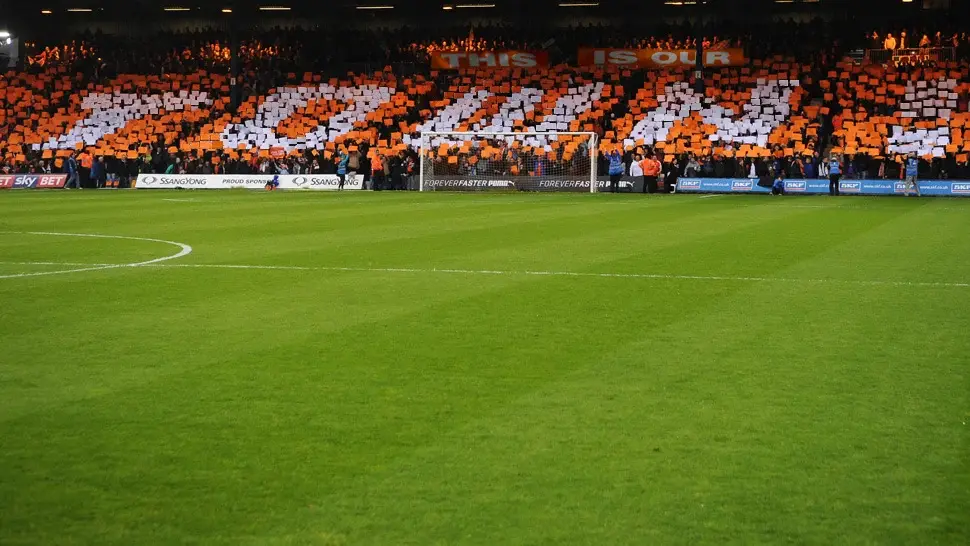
[726, 278]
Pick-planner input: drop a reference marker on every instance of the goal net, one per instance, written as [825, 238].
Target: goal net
[496, 161]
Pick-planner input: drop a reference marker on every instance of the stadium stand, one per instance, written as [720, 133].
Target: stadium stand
[164, 104]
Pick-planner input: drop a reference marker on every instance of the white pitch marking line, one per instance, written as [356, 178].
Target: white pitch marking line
[816, 207]
[184, 251]
[709, 196]
[77, 264]
[726, 278]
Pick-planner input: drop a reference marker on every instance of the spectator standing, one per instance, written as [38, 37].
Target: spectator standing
[87, 161]
[912, 174]
[670, 173]
[410, 170]
[763, 170]
[615, 169]
[342, 160]
[752, 169]
[636, 171]
[353, 161]
[72, 172]
[835, 173]
[98, 173]
[379, 173]
[719, 167]
[131, 174]
[808, 167]
[890, 42]
[863, 168]
[707, 168]
[651, 171]
[693, 168]
[366, 168]
[398, 167]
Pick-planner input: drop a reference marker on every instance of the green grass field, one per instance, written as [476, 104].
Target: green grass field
[429, 369]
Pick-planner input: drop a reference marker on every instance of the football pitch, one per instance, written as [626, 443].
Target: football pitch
[248, 368]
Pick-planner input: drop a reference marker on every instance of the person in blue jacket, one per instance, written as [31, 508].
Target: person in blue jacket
[835, 173]
[616, 169]
[273, 184]
[342, 160]
[778, 187]
[98, 173]
[912, 172]
[808, 167]
[72, 173]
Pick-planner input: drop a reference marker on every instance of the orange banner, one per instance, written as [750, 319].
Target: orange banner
[658, 58]
[452, 60]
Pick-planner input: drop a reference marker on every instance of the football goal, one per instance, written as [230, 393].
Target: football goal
[516, 161]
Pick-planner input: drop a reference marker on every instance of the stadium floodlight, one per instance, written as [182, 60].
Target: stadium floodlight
[46, 12]
[4, 34]
[79, 10]
[226, 10]
[462, 6]
[176, 9]
[274, 8]
[495, 160]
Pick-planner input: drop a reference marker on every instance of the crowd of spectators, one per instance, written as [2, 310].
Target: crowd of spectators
[396, 169]
[318, 49]
[336, 50]
[857, 166]
[274, 57]
[902, 39]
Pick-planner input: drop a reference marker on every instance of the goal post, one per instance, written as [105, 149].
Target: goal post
[510, 161]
